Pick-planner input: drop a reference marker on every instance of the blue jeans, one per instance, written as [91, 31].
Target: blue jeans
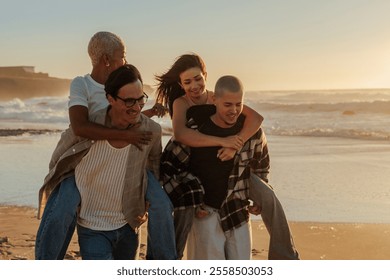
[119, 244]
[161, 230]
[60, 216]
[58, 222]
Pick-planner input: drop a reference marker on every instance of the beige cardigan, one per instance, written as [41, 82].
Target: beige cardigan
[71, 149]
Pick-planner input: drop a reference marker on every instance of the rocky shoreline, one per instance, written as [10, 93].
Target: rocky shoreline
[22, 131]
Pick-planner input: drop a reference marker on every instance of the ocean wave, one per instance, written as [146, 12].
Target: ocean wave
[327, 132]
[363, 134]
[40, 110]
[346, 115]
[358, 132]
[321, 96]
[167, 131]
[372, 107]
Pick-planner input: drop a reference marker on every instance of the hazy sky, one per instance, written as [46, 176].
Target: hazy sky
[269, 44]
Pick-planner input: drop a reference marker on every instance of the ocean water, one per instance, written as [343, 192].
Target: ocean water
[330, 150]
[358, 114]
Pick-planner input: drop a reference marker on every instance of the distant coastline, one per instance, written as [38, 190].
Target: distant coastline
[23, 82]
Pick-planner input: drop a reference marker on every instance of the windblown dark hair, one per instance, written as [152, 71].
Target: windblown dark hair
[168, 87]
[120, 77]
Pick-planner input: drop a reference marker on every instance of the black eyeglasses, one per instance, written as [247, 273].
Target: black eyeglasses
[130, 102]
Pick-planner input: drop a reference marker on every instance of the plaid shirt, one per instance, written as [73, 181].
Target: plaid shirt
[185, 190]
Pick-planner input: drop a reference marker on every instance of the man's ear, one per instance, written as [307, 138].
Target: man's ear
[205, 75]
[110, 99]
[213, 98]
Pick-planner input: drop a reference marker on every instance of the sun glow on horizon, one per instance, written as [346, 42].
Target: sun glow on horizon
[269, 45]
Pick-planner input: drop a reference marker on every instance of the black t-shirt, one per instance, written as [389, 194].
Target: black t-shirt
[212, 172]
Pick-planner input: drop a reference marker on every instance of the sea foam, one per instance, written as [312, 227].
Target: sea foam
[359, 114]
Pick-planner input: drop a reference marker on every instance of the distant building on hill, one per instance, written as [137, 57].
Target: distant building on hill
[21, 71]
[22, 82]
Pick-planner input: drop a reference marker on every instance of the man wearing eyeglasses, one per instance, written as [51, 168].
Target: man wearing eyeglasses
[110, 175]
[58, 209]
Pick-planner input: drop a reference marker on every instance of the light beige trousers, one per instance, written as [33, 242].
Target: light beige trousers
[207, 240]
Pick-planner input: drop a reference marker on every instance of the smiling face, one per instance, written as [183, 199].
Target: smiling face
[121, 115]
[193, 81]
[228, 108]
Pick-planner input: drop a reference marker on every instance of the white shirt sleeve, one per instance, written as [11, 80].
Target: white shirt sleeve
[78, 92]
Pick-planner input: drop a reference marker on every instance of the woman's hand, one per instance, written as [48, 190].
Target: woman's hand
[142, 219]
[254, 209]
[234, 142]
[137, 137]
[159, 110]
[225, 154]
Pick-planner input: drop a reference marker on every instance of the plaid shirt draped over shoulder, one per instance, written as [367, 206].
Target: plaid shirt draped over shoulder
[183, 188]
[186, 190]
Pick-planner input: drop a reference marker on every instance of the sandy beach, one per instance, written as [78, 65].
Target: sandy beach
[314, 241]
[335, 217]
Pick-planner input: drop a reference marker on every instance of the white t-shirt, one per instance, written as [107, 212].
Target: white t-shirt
[86, 92]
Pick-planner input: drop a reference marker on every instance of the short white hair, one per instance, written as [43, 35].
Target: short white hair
[103, 42]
